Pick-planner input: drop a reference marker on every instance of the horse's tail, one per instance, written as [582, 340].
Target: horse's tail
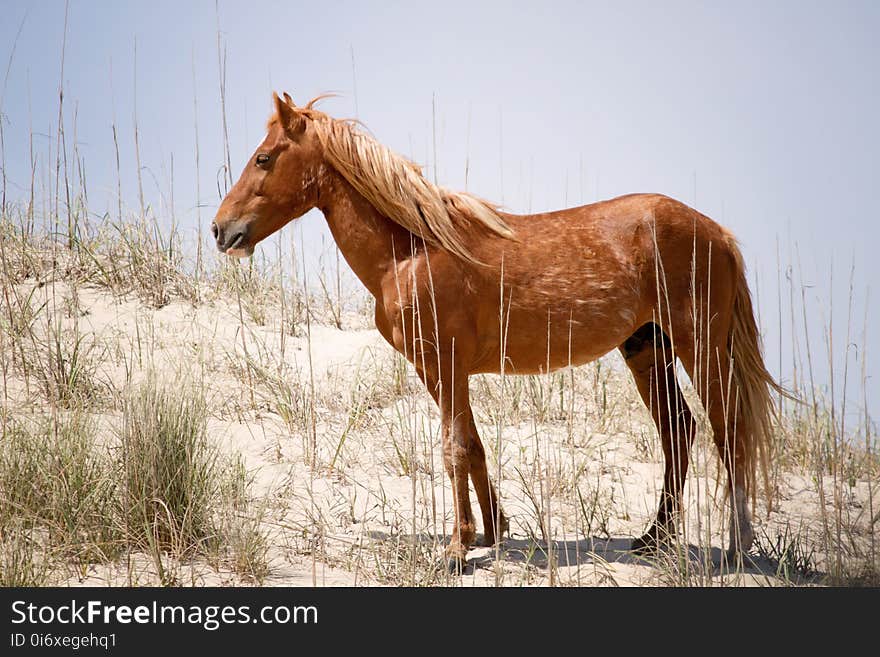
[752, 383]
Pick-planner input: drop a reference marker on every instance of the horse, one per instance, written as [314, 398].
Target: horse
[462, 288]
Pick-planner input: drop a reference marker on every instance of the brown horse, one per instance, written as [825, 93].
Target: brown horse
[462, 288]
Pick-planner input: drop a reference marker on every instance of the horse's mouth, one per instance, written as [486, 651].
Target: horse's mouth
[238, 249]
[241, 252]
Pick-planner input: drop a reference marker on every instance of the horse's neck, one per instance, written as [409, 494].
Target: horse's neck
[369, 241]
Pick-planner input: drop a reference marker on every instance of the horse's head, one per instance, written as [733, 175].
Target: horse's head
[278, 184]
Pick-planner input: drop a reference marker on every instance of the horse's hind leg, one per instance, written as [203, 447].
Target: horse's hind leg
[648, 354]
[721, 401]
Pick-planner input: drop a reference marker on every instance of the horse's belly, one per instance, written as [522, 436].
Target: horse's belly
[530, 348]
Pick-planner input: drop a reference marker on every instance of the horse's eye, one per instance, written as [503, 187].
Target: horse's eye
[262, 159]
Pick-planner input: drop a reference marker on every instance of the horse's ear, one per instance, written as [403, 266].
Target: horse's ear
[291, 120]
[289, 100]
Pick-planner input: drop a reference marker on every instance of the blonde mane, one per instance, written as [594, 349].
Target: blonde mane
[396, 187]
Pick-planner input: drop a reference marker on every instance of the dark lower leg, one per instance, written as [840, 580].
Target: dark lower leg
[652, 365]
[676, 448]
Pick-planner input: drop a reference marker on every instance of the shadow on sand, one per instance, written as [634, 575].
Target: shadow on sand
[711, 562]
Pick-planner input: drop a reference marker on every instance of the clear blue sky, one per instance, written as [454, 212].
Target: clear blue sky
[761, 115]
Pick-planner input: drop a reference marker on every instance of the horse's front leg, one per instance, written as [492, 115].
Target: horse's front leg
[442, 370]
[460, 438]
[494, 521]
[451, 394]
[457, 462]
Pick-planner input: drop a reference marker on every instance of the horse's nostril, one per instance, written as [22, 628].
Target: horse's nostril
[214, 230]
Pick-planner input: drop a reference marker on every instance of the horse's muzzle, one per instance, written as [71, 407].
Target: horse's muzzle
[232, 237]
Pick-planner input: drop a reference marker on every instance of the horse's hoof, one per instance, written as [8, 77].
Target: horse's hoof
[644, 545]
[490, 538]
[738, 559]
[456, 559]
[455, 565]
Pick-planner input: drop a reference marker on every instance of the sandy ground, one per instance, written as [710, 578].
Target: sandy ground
[579, 462]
